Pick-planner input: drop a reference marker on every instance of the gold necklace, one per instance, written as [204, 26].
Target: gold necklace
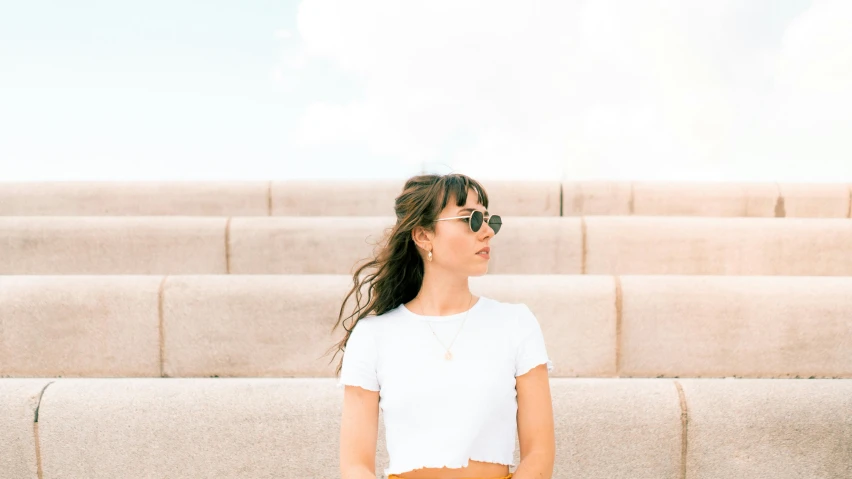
[448, 356]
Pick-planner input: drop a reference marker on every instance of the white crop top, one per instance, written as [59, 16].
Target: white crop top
[439, 412]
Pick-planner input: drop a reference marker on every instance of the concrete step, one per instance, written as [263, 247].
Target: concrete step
[337, 245]
[376, 198]
[728, 199]
[259, 427]
[271, 325]
[260, 198]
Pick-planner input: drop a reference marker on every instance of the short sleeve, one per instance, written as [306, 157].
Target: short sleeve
[531, 350]
[360, 359]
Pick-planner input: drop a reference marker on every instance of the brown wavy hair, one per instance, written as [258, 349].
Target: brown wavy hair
[395, 273]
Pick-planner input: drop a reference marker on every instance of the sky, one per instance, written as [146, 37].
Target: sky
[721, 90]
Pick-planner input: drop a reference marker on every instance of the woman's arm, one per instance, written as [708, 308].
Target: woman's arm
[535, 425]
[359, 429]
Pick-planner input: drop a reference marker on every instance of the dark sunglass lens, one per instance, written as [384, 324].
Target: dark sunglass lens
[495, 223]
[476, 220]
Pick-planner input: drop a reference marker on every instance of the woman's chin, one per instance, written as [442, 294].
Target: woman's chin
[480, 271]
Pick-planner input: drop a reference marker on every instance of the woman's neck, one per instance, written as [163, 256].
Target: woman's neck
[442, 297]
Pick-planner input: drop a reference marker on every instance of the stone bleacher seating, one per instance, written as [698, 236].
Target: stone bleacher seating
[102, 245]
[180, 329]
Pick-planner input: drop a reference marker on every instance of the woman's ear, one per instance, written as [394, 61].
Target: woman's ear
[422, 238]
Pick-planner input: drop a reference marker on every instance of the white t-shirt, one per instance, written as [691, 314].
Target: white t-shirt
[439, 412]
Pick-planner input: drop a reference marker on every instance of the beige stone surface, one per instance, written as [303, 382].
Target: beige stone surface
[280, 325]
[153, 427]
[783, 429]
[19, 399]
[184, 427]
[112, 245]
[625, 428]
[617, 428]
[79, 326]
[715, 326]
[264, 325]
[524, 198]
[718, 199]
[337, 245]
[537, 246]
[304, 245]
[803, 200]
[335, 197]
[582, 198]
[377, 197]
[707, 199]
[577, 315]
[719, 246]
[134, 198]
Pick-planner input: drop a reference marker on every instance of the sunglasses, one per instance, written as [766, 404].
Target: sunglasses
[475, 220]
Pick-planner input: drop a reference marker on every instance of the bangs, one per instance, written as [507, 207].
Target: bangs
[458, 186]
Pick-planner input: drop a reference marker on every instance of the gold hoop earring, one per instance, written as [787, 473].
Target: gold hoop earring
[430, 256]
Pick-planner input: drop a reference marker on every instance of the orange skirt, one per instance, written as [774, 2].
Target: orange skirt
[394, 476]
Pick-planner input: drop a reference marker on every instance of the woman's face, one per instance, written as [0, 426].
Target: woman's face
[454, 245]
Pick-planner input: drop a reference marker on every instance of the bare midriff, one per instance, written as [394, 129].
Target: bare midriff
[474, 470]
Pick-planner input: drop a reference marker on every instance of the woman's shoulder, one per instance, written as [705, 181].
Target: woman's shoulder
[375, 322]
[513, 316]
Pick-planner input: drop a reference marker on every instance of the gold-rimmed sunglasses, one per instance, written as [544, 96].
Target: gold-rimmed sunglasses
[476, 219]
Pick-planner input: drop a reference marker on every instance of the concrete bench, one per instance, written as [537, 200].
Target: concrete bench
[273, 427]
[258, 198]
[720, 199]
[376, 197]
[337, 245]
[280, 325]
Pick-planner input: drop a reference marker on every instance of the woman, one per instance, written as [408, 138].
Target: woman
[456, 375]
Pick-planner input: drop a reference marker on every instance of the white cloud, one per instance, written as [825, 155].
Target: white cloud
[809, 109]
[598, 89]
[282, 33]
[817, 50]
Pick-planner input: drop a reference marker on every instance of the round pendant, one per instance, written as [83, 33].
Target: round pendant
[448, 356]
